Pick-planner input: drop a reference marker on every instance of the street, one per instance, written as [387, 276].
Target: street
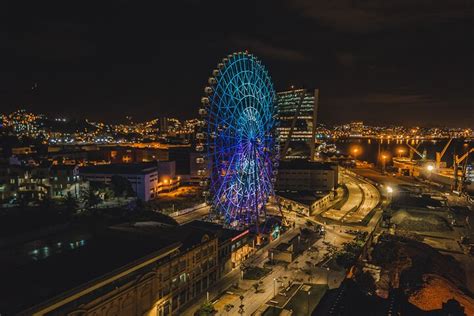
[309, 267]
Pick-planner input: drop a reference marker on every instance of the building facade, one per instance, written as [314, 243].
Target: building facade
[147, 179]
[297, 113]
[163, 282]
[142, 177]
[37, 182]
[234, 246]
[301, 175]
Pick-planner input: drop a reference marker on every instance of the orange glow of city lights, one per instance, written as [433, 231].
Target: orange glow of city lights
[384, 156]
[401, 151]
[355, 151]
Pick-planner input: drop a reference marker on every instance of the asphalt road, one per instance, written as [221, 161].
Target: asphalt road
[362, 198]
[191, 216]
[366, 199]
[279, 277]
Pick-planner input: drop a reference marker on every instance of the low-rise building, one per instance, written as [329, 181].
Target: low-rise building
[147, 179]
[64, 179]
[235, 246]
[36, 182]
[143, 177]
[302, 175]
[128, 270]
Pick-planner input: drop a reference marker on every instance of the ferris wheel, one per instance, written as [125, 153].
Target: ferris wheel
[237, 141]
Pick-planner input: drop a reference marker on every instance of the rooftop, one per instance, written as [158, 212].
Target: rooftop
[223, 234]
[305, 164]
[303, 197]
[25, 284]
[120, 168]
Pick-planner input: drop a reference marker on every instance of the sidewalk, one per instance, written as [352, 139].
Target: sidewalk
[279, 277]
[233, 277]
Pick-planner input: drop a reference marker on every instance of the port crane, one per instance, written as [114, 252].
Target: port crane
[439, 155]
[415, 150]
[458, 160]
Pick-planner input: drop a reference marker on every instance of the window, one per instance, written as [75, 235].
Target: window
[174, 283]
[182, 278]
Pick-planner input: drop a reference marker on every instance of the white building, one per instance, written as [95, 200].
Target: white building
[143, 177]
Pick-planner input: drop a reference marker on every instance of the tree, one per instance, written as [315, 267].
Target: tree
[70, 203]
[46, 203]
[90, 198]
[352, 247]
[256, 286]
[385, 252]
[206, 309]
[121, 186]
[345, 259]
[365, 281]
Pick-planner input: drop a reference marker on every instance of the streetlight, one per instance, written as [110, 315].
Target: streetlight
[309, 293]
[389, 192]
[384, 158]
[274, 287]
[430, 168]
[327, 277]
[355, 151]
[400, 152]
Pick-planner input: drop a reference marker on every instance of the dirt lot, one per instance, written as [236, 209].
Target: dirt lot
[181, 198]
[422, 222]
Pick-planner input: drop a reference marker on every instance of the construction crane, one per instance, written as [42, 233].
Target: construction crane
[440, 155]
[422, 155]
[459, 185]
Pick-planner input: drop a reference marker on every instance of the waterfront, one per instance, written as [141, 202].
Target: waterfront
[368, 148]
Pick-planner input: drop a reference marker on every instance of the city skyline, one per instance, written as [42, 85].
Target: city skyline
[365, 59]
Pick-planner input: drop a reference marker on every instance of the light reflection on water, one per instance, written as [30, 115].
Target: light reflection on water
[44, 252]
[369, 147]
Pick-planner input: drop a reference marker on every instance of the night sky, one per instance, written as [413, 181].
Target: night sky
[404, 62]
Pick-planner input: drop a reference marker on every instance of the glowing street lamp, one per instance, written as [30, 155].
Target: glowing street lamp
[400, 151]
[355, 151]
[274, 287]
[430, 169]
[384, 159]
[389, 190]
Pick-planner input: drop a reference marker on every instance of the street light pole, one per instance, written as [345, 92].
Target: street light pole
[384, 157]
[274, 287]
[309, 293]
[327, 276]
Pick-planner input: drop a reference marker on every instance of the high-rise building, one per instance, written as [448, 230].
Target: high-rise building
[163, 125]
[297, 110]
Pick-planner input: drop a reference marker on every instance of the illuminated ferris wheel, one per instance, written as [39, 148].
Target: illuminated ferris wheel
[236, 139]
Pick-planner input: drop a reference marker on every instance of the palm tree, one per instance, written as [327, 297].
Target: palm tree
[70, 204]
[90, 198]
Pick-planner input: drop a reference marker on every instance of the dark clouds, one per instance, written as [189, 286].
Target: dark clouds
[271, 51]
[376, 15]
[382, 61]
